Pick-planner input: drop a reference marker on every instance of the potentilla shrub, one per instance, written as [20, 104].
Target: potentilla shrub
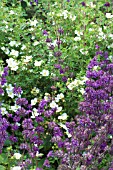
[90, 144]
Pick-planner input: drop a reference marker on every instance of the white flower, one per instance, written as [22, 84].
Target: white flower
[14, 53]
[83, 52]
[35, 43]
[11, 12]
[63, 116]
[64, 13]
[82, 91]
[33, 101]
[17, 155]
[16, 168]
[12, 43]
[77, 38]
[7, 51]
[68, 134]
[23, 47]
[3, 111]
[63, 126]
[39, 154]
[111, 36]
[15, 107]
[59, 109]
[72, 17]
[38, 63]
[90, 29]
[27, 59]
[3, 48]
[78, 33]
[12, 64]
[108, 15]
[45, 73]
[34, 113]
[53, 104]
[34, 23]
[71, 86]
[10, 94]
[9, 87]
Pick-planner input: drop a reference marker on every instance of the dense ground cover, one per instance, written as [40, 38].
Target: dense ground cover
[56, 85]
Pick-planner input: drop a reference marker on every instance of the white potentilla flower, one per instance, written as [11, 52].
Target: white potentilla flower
[65, 14]
[12, 43]
[23, 47]
[6, 26]
[16, 168]
[76, 82]
[3, 48]
[60, 96]
[38, 63]
[33, 101]
[31, 29]
[27, 59]
[53, 104]
[15, 107]
[17, 155]
[72, 17]
[90, 29]
[92, 5]
[45, 73]
[84, 78]
[33, 23]
[63, 116]
[108, 15]
[71, 86]
[83, 52]
[46, 98]
[33, 37]
[95, 68]
[111, 36]
[7, 51]
[59, 109]
[34, 113]
[82, 91]
[57, 99]
[78, 33]
[77, 38]
[14, 53]
[39, 154]
[12, 64]
[11, 12]
[9, 87]
[35, 43]
[10, 94]
[3, 111]
[54, 43]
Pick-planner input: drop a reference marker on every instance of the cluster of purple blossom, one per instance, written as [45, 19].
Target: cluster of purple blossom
[92, 132]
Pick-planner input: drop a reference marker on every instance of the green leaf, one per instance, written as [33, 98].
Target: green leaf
[2, 167]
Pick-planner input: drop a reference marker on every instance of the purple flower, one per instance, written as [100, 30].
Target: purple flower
[45, 33]
[83, 3]
[107, 4]
[46, 163]
[61, 31]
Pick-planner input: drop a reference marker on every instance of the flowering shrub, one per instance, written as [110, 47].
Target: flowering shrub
[45, 47]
